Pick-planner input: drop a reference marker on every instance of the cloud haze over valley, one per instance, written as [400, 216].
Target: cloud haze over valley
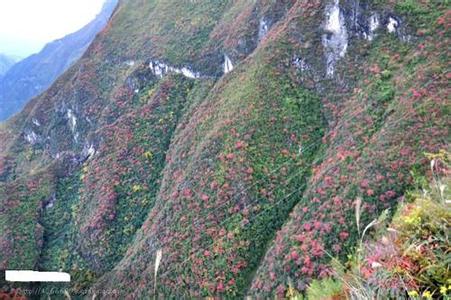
[26, 26]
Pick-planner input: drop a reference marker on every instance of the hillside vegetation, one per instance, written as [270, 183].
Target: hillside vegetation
[233, 137]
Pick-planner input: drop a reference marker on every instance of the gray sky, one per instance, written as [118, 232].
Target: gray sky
[27, 25]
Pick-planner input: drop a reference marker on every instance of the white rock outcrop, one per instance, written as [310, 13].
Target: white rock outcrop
[335, 41]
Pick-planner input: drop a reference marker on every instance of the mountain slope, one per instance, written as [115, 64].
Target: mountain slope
[6, 63]
[35, 74]
[235, 136]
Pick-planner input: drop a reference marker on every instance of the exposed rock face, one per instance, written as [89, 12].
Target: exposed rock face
[228, 66]
[346, 21]
[335, 41]
[234, 136]
[263, 28]
[159, 69]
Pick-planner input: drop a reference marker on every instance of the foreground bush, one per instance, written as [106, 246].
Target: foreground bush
[408, 258]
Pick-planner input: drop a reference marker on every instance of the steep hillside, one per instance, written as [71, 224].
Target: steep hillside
[35, 74]
[234, 136]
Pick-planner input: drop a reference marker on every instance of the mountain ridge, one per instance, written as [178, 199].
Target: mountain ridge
[243, 176]
[36, 73]
[6, 62]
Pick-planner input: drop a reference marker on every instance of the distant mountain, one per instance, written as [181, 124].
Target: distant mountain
[6, 62]
[36, 73]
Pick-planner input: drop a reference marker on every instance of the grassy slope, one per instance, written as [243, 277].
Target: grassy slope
[220, 181]
[123, 179]
[396, 113]
[104, 86]
[209, 171]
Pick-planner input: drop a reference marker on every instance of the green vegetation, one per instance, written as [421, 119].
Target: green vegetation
[407, 257]
[392, 116]
[245, 183]
[21, 227]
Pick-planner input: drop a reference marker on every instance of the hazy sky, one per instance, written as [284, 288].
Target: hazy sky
[27, 25]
